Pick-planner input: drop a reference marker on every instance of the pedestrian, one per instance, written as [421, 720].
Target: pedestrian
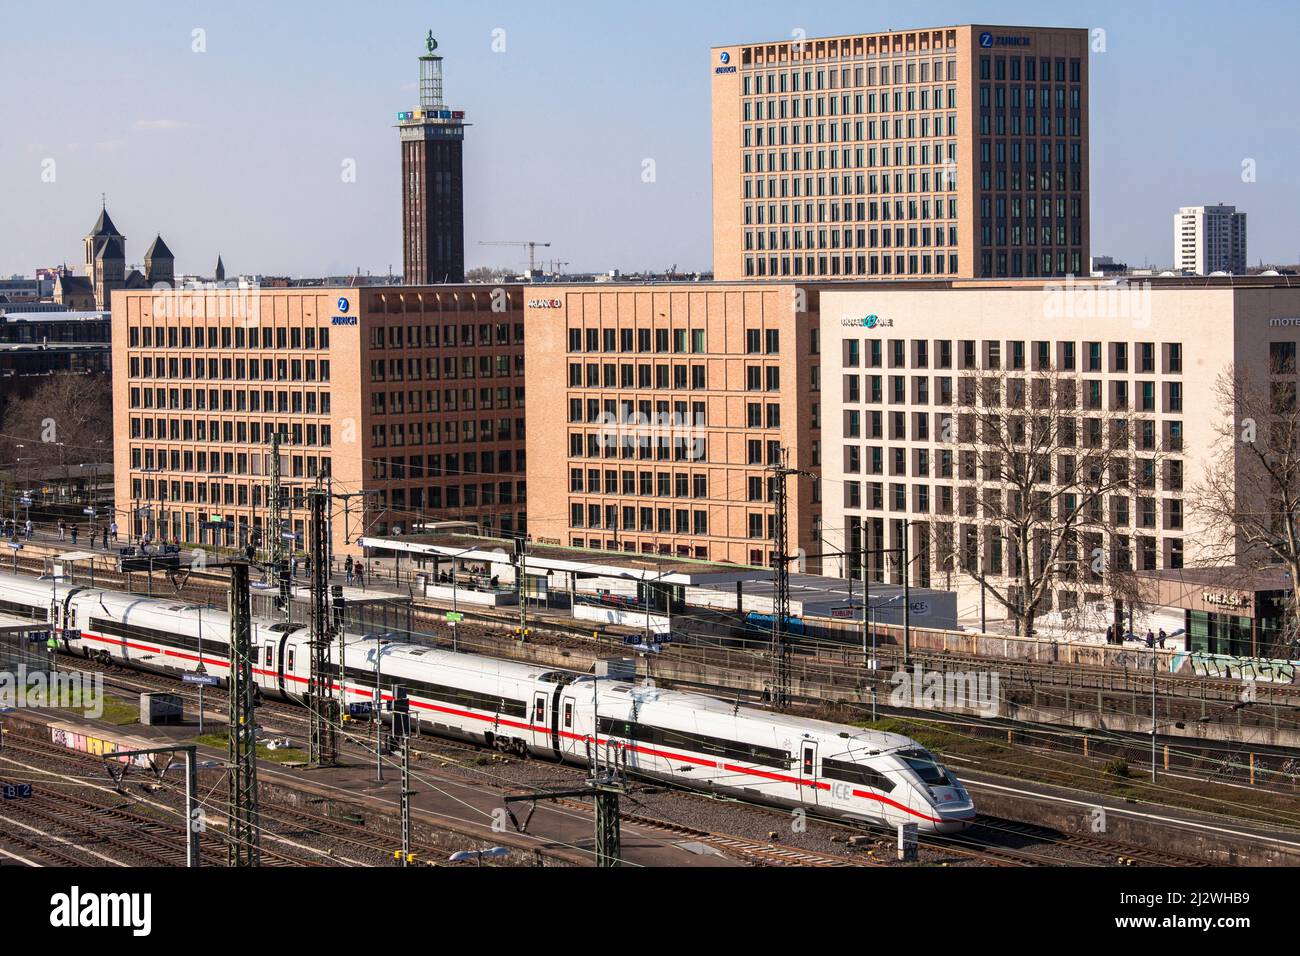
[347, 568]
[1151, 638]
[62, 528]
[74, 534]
[105, 539]
[112, 531]
[293, 566]
[361, 578]
[1160, 638]
[27, 529]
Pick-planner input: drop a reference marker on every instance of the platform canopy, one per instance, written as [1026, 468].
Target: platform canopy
[542, 559]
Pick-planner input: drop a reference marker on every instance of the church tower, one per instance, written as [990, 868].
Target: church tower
[100, 234]
[105, 259]
[159, 263]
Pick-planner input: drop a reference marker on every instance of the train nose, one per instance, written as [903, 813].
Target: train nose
[954, 820]
[954, 809]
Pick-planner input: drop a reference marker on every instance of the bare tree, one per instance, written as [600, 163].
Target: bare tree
[1040, 456]
[67, 421]
[488, 274]
[1248, 498]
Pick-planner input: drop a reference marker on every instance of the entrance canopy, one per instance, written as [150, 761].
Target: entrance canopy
[1241, 592]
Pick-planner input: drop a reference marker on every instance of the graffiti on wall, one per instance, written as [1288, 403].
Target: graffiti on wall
[1234, 668]
[96, 746]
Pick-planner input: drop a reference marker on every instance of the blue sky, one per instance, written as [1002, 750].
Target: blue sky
[240, 149]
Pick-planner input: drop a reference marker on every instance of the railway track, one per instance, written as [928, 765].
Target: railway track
[280, 718]
[108, 821]
[991, 837]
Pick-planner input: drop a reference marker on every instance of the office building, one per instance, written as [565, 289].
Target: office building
[949, 152]
[654, 413]
[1210, 239]
[896, 449]
[409, 400]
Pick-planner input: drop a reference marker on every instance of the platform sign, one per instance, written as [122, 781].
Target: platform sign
[17, 791]
[454, 616]
[207, 680]
[360, 708]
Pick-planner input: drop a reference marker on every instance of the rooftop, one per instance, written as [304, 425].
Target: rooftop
[542, 558]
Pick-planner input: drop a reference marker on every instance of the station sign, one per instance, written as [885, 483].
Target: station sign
[17, 791]
[207, 680]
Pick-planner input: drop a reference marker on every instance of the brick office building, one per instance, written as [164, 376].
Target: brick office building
[408, 398]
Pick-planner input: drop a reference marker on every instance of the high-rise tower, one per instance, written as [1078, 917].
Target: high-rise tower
[433, 194]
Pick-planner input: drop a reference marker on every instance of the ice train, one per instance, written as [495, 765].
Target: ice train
[685, 739]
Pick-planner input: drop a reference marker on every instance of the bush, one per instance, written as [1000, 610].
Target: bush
[1116, 767]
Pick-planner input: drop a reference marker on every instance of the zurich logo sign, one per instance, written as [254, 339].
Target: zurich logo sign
[343, 305]
[986, 39]
[726, 57]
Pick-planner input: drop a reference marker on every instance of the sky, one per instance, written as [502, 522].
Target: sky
[231, 127]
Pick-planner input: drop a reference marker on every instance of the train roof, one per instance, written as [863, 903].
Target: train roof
[425, 654]
[647, 694]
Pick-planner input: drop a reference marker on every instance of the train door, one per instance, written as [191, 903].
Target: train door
[280, 665]
[807, 771]
[538, 721]
[266, 675]
[569, 733]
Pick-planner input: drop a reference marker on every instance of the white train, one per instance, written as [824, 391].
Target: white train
[685, 739]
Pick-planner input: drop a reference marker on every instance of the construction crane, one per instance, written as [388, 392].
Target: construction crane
[532, 250]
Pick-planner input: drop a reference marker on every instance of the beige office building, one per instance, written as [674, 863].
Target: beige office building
[892, 364]
[407, 399]
[654, 413]
[957, 151]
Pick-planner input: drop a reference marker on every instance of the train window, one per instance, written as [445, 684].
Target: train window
[539, 710]
[568, 714]
[270, 655]
[808, 761]
[700, 743]
[926, 768]
[857, 773]
[289, 661]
